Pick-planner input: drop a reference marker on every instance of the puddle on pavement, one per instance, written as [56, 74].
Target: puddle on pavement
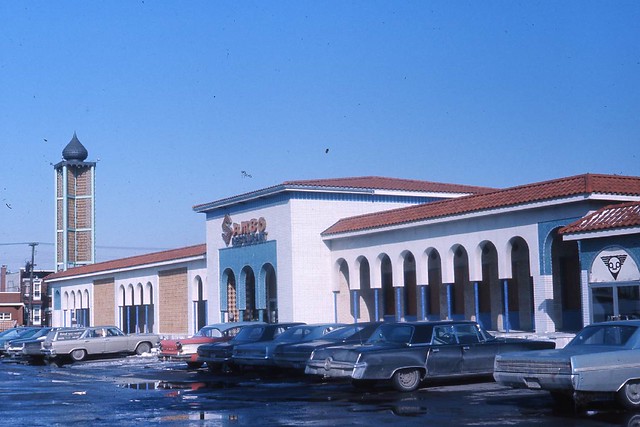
[167, 385]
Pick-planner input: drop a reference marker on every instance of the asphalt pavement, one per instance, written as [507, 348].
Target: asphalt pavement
[141, 390]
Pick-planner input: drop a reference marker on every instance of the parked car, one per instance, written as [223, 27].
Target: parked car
[218, 355]
[15, 348]
[32, 351]
[406, 354]
[602, 360]
[78, 343]
[261, 353]
[16, 333]
[295, 355]
[187, 348]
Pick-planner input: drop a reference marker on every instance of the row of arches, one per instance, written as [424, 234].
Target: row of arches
[457, 283]
[247, 296]
[136, 310]
[75, 308]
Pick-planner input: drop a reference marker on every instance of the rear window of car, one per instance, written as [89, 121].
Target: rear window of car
[613, 335]
[250, 333]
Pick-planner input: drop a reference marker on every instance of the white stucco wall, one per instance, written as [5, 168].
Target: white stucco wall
[130, 276]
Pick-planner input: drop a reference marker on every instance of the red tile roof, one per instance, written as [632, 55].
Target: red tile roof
[610, 217]
[134, 261]
[537, 192]
[383, 183]
[354, 183]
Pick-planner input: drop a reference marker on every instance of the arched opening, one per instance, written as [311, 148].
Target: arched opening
[130, 315]
[122, 299]
[82, 313]
[148, 307]
[139, 312]
[199, 305]
[66, 310]
[249, 313]
[72, 309]
[490, 291]
[410, 302]
[522, 285]
[437, 301]
[229, 281]
[271, 290]
[461, 306]
[367, 295]
[565, 265]
[388, 292]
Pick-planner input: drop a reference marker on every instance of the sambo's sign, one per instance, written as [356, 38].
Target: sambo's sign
[245, 233]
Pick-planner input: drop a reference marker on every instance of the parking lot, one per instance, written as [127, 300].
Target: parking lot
[143, 390]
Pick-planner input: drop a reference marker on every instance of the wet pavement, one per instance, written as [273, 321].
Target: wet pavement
[145, 391]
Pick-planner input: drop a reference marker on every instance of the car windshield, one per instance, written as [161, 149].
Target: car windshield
[398, 334]
[610, 335]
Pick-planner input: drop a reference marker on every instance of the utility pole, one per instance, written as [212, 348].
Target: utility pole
[33, 254]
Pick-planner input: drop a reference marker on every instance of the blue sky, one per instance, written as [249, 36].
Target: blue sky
[175, 99]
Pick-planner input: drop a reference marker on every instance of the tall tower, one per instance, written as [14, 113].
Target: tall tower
[75, 207]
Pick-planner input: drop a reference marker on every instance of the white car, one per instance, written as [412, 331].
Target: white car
[78, 343]
[602, 360]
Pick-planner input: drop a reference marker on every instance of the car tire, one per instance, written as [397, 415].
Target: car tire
[78, 355]
[194, 365]
[629, 395]
[143, 347]
[406, 380]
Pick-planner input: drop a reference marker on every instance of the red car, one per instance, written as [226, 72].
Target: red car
[186, 348]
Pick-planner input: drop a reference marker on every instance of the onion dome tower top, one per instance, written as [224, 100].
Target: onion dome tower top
[75, 151]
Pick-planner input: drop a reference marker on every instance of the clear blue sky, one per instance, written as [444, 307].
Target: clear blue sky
[175, 99]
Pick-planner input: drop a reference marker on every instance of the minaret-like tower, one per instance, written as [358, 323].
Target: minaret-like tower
[75, 207]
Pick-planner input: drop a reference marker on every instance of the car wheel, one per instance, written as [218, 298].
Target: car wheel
[629, 395]
[78, 355]
[143, 347]
[406, 380]
[194, 365]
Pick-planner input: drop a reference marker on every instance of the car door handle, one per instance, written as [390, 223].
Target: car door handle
[465, 348]
[435, 350]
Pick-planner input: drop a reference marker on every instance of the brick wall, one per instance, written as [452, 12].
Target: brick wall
[103, 302]
[173, 304]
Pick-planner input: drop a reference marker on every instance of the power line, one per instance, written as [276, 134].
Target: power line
[24, 243]
[136, 248]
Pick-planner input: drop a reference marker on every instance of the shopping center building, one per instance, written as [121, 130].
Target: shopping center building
[542, 257]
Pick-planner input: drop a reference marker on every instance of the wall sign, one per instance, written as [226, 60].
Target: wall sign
[614, 266]
[244, 233]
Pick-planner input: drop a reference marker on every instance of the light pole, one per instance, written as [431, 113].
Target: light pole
[33, 254]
